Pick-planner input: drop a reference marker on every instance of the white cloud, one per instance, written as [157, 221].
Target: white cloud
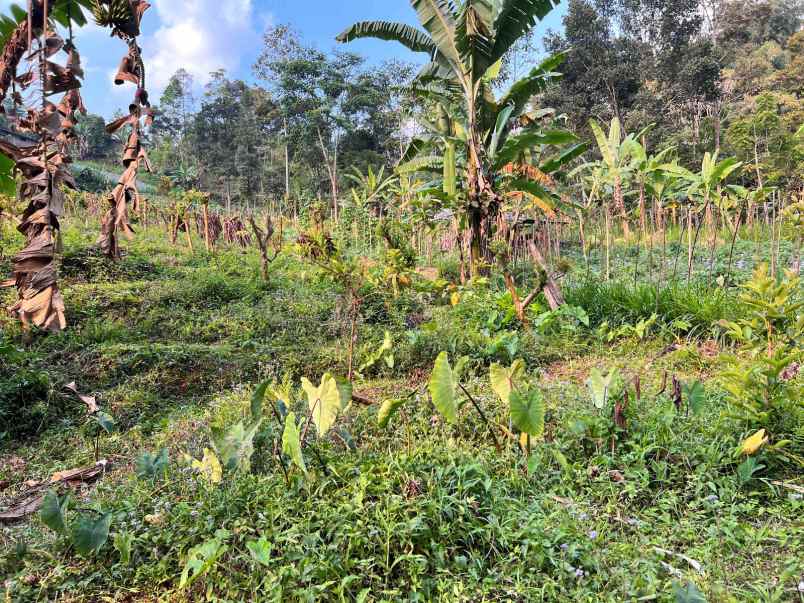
[200, 36]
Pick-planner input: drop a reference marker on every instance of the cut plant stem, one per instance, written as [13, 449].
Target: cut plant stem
[482, 416]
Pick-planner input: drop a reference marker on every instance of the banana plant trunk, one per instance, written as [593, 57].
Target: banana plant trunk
[619, 200]
[482, 202]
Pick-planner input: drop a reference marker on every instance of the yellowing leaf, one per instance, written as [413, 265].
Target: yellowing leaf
[388, 409]
[503, 379]
[324, 402]
[209, 467]
[754, 443]
[442, 388]
[455, 299]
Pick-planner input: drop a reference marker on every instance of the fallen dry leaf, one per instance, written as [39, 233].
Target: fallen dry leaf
[30, 501]
[90, 401]
[616, 476]
[85, 474]
[22, 509]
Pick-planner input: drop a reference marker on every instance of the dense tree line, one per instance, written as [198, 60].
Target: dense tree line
[710, 74]
[291, 134]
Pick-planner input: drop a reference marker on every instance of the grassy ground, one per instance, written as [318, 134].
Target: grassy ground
[173, 345]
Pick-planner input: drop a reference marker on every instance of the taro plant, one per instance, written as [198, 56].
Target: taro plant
[523, 397]
[203, 558]
[152, 465]
[86, 530]
[443, 386]
[325, 403]
[231, 449]
[383, 354]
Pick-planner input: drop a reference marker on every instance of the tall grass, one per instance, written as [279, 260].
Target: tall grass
[624, 303]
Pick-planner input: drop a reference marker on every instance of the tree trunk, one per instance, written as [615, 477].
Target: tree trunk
[555, 298]
[482, 201]
[287, 162]
[619, 200]
[206, 229]
[332, 172]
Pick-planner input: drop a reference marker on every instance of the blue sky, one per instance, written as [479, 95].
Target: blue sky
[205, 35]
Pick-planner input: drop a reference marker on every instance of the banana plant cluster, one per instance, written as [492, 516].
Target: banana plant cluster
[466, 41]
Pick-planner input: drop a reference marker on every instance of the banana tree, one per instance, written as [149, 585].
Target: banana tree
[519, 146]
[618, 155]
[648, 175]
[465, 39]
[30, 41]
[705, 189]
[372, 188]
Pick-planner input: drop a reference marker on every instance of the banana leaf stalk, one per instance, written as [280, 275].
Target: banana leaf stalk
[124, 18]
[43, 163]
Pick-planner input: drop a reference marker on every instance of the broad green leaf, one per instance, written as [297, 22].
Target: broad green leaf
[514, 18]
[122, 542]
[388, 409]
[236, 446]
[260, 550]
[527, 412]
[602, 387]
[105, 421]
[563, 158]
[149, 465]
[499, 129]
[344, 391]
[257, 399]
[324, 402]
[688, 593]
[209, 467]
[414, 39]
[52, 512]
[438, 19]
[603, 144]
[696, 396]
[504, 379]
[535, 82]
[199, 561]
[442, 388]
[291, 442]
[561, 460]
[90, 533]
